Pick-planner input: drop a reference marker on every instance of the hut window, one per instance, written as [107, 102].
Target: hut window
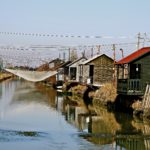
[135, 71]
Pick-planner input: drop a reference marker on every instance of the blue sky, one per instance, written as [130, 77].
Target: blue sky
[72, 17]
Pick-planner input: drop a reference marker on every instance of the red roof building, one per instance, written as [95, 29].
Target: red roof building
[133, 72]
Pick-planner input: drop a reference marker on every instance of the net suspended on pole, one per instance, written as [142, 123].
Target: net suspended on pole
[33, 76]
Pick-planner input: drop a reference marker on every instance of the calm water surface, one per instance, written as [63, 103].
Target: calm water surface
[36, 117]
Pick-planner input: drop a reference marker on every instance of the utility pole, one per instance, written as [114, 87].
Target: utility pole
[144, 39]
[59, 56]
[114, 55]
[92, 52]
[98, 49]
[69, 53]
[138, 41]
[64, 56]
[83, 53]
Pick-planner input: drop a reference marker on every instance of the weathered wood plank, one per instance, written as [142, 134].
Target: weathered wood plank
[146, 99]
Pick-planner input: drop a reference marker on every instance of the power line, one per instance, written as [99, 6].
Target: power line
[64, 36]
[63, 47]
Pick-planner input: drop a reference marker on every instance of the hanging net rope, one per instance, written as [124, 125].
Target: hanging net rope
[33, 76]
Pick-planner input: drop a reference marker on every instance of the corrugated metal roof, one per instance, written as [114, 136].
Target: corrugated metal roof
[134, 55]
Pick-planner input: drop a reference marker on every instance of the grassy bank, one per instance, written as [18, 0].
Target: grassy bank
[4, 76]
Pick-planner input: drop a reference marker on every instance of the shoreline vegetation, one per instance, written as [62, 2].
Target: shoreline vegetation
[105, 97]
[92, 96]
[105, 94]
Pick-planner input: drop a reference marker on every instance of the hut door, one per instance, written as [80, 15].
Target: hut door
[91, 72]
[73, 71]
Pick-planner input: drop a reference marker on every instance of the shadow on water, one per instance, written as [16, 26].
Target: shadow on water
[12, 135]
[120, 130]
[86, 98]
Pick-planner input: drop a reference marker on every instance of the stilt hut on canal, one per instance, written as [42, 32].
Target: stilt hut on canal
[133, 73]
[97, 70]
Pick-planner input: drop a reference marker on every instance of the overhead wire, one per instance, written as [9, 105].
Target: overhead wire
[25, 53]
[63, 35]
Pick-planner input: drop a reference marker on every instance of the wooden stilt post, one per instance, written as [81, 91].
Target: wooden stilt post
[146, 99]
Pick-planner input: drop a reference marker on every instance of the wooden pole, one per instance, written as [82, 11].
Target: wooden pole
[92, 52]
[114, 55]
[69, 53]
[98, 49]
[64, 56]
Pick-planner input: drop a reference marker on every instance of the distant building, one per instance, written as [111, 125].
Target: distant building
[133, 72]
[51, 66]
[63, 72]
[97, 70]
[55, 63]
[74, 71]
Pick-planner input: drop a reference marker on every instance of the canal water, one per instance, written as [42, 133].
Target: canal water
[36, 117]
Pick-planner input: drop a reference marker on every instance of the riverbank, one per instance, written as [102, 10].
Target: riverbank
[92, 95]
[5, 76]
[104, 96]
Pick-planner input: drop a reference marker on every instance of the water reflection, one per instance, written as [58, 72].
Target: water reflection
[32, 117]
[7, 91]
[117, 129]
[47, 119]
